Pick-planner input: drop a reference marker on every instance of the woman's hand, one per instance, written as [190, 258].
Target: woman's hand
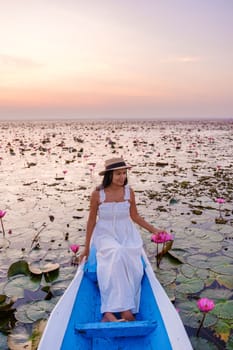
[84, 255]
[155, 231]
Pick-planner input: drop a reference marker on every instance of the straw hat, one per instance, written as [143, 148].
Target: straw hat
[114, 164]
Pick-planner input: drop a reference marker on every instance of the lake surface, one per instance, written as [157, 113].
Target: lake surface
[49, 169]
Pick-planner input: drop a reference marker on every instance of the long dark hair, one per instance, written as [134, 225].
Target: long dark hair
[107, 180]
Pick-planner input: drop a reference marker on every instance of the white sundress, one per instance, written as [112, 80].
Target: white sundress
[119, 248]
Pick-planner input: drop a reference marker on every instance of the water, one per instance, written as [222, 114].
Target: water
[48, 170]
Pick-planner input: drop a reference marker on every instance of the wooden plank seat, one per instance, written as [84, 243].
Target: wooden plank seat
[116, 329]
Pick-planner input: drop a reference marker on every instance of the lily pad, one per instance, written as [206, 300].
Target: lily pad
[6, 304]
[192, 317]
[202, 344]
[2, 298]
[166, 277]
[189, 285]
[189, 313]
[34, 311]
[224, 310]
[35, 269]
[15, 287]
[39, 310]
[221, 265]
[176, 258]
[217, 294]
[223, 330]
[58, 288]
[66, 273]
[178, 254]
[225, 281]
[188, 271]
[229, 344]
[228, 250]
[199, 260]
[19, 338]
[18, 267]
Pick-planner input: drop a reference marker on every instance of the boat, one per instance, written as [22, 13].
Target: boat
[75, 322]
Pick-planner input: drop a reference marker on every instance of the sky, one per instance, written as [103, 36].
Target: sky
[156, 59]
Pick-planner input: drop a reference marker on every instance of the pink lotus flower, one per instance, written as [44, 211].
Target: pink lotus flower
[74, 248]
[2, 213]
[220, 200]
[161, 237]
[205, 304]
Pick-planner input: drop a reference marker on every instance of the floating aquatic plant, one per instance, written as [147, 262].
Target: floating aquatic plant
[220, 219]
[204, 305]
[2, 214]
[161, 237]
[74, 248]
[200, 261]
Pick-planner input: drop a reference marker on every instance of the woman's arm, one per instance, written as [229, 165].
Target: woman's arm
[91, 222]
[137, 218]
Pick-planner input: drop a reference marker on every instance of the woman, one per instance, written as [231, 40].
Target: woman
[117, 241]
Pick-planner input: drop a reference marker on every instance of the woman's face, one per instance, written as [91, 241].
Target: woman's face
[119, 177]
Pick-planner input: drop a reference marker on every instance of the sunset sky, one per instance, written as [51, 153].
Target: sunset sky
[160, 59]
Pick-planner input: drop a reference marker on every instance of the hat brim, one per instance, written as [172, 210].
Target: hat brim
[118, 168]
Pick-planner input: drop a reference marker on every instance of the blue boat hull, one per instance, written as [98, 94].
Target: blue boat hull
[75, 323]
[87, 309]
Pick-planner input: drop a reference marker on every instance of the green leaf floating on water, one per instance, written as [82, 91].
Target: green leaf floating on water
[50, 271]
[225, 281]
[188, 271]
[18, 267]
[221, 265]
[2, 298]
[19, 339]
[189, 313]
[34, 311]
[202, 344]
[224, 310]
[189, 285]
[191, 316]
[199, 260]
[177, 258]
[58, 288]
[16, 285]
[229, 345]
[166, 277]
[223, 330]
[217, 294]
[37, 270]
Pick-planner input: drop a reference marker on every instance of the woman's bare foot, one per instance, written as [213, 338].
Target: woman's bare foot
[109, 317]
[127, 315]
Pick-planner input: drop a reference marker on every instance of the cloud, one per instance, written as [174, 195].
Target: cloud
[19, 62]
[182, 59]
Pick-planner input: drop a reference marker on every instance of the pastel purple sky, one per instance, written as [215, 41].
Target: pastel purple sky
[160, 59]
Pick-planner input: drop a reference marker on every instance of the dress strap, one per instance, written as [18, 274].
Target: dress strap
[102, 195]
[127, 193]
